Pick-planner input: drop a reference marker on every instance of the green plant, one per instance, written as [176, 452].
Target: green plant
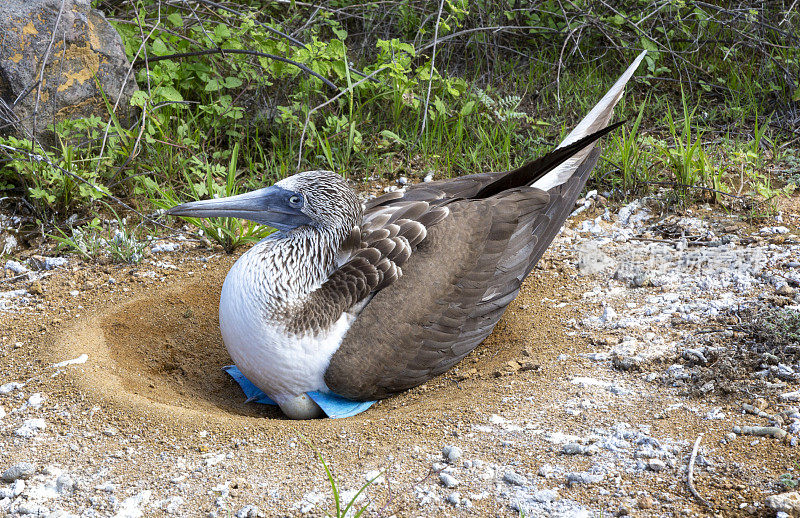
[686, 158]
[626, 147]
[96, 241]
[342, 509]
[201, 179]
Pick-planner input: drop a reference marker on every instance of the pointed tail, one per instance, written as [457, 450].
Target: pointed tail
[594, 121]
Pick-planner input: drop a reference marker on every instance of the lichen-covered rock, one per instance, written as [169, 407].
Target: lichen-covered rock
[80, 53]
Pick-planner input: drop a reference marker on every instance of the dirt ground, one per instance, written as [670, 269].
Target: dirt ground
[150, 420]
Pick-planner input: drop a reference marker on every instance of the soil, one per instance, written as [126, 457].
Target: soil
[151, 410]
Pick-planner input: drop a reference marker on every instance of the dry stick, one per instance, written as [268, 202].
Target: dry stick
[301, 66]
[44, 64]
[493, 28]
[430, 81]
[560, 62]
[308, 117]
[788, 11]
[142, 48]
[690, 478]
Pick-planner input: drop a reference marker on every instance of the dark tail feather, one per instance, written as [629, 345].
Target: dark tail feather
[533, 171]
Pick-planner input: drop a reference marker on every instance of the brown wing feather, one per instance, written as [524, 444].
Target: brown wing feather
[472, 265]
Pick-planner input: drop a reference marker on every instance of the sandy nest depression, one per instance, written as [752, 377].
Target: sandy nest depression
[152, 412]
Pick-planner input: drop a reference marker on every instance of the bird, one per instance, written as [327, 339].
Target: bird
[348, 303]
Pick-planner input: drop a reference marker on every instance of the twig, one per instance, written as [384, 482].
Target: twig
[44, 64]
[690, 478]
[433, 63]
[179, 55]
[263, 25]
[687, 186]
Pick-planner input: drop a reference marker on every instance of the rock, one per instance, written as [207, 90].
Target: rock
[248, 511]
[788, 503]
[30, 427]
[130, 507]
[35, 288]
[583, 477]
[41, 263]
[785, 290]
[23, 470]
[65, 484]
[14, 266]
[515, 479]
[86, 50]
[656, 465]
[592, 260]
[545, 496]
[574, 448]
[645, 502]
[10, 387]
[36, 400]
[448, 480]
[452, 453]
[454, 498]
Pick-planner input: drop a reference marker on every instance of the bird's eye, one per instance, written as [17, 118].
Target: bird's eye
[295, 200]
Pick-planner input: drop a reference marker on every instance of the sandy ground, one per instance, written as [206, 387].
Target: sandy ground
[542, 425]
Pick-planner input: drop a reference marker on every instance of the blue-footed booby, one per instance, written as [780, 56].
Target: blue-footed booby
[357, 303]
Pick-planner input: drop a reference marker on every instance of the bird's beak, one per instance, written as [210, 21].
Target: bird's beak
[266, 206]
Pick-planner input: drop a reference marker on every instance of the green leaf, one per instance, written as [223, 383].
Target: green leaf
[175, 19]
[168, 93]
[233, 82]
[467, 109]
[139, 98]
[159, 48]
[222, 32]
[391, 136]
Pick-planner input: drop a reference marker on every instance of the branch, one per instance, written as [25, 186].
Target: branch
[147, 61]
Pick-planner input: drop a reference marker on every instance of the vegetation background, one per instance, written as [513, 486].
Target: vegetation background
[236, 95]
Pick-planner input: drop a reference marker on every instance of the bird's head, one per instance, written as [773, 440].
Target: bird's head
[314, 198]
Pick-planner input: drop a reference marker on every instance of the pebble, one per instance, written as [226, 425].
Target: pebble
[454, 498]
[656, 465]
[452, 454]
[8, 388]
[574, 448]
[15, 267]
[583, 477]
[248, 511]
[448, 480]
[515, 479]
[30, 427]
[22, 470]
[760, 431]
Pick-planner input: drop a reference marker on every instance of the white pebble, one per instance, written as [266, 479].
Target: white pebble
[448, 480]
